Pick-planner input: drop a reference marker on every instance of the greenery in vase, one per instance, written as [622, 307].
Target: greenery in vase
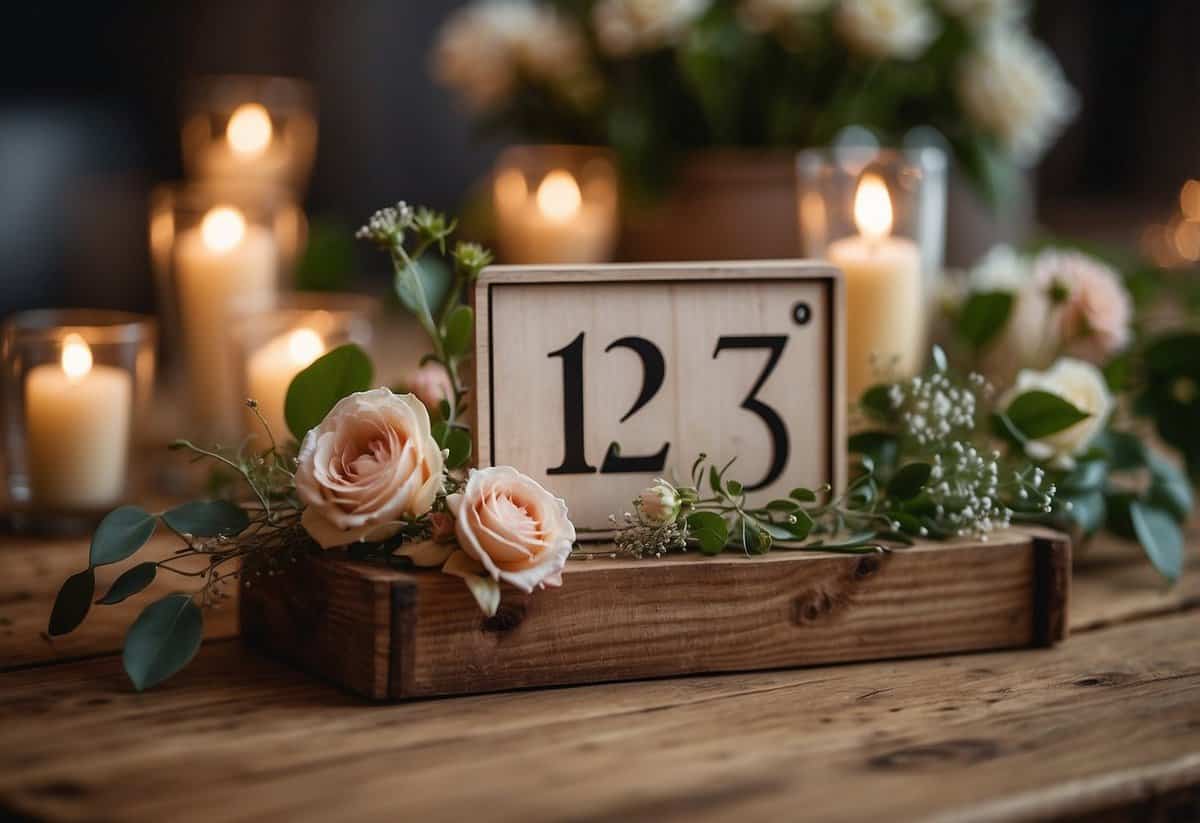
[657, 80]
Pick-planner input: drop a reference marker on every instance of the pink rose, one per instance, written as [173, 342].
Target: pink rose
[371, 462]
[515, 529]
[1092, 309]
[431, 384]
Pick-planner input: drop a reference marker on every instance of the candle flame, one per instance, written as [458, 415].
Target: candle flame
[873, 207]
[222, 228]
[305, 346]
[76, 357]
[249, 130]
[558, 196]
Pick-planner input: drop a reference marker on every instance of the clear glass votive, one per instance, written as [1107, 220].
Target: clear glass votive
[250, 129]
[879, 216]
[555, 204]
[277, 342]
[76, 384]
[217, 246]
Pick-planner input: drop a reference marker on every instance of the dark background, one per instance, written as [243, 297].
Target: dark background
[89, 121]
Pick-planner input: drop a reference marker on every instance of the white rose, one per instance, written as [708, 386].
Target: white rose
[1029, 339]
[625, 27]
[484, 47]
[511, 526]
[1082, 385]
[658, 505]
[371, 462]
[983, 14]
[1001, 269]
[1013, 88]
[887, 28]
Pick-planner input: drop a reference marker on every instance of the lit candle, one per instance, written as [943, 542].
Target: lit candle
[270, 370]
[884, 302]
[559, 223]
[250, 148]
[221, 264]
[78, 426]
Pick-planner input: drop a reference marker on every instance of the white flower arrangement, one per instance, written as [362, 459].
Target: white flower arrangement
[654, 78]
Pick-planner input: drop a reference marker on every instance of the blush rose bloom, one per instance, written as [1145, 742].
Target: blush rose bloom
[431, 384]
[1095, 311]
[370, 462]
[515, 529]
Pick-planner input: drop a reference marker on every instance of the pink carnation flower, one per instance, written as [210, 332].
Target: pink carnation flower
[1092, 309]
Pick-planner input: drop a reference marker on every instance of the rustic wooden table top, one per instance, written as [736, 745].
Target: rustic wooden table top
[1105, 726]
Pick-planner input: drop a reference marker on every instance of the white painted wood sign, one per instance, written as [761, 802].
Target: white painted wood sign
[594, 380]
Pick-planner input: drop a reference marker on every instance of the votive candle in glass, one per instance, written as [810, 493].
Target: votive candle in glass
[277, 342]
[248, 129]
[866, 211]
[218, 247]
[555, 204]
[75, 383]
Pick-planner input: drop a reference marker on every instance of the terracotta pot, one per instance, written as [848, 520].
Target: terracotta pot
[727, 204]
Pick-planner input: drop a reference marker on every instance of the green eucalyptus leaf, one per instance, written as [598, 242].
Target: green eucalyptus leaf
[317, 389]
[459, 327]
[754, 537]
[783, 506]
[440, 431]
[131, 581]
[458, 443]
[163, 639]
[854, 540]
[72, 603]
[207, 518]
[1038, 414]
[1169, 487]
[908, 482]
[710, 530]
[1161, 538]
[121, 533]
[734, 488]
[803, 495]
[1123, 450]
[410, 288]
[1087, 476]
[984, 315]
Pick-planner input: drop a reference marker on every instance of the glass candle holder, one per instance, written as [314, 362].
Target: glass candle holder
[217, 247]
[276, 343]
[555, 204]
[250, 129]
[879, 216]
[76, 383]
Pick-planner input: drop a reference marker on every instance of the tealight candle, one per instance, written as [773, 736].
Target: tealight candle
[569, 217]
[884, 294]
[250, 149]
[77, 427]
[222, 262]
[270, 370]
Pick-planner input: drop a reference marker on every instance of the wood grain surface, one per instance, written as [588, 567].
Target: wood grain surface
[1103, 727]
[388, 634]
[1109, 718]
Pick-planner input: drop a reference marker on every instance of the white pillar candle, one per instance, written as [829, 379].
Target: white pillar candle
[78, 427]
[222, 263]
[885, 314]
[270, 370]
[557, 224]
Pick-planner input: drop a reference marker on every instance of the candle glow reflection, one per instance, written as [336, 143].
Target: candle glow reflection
[873, 207]
[76, 357]
[249, 129]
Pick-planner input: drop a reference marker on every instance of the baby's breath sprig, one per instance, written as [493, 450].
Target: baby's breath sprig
[928, 469]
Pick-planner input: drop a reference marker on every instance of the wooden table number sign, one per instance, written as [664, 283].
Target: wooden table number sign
[595, 380]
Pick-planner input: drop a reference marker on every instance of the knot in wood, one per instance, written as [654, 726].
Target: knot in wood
[506, 618]
[962, 752]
